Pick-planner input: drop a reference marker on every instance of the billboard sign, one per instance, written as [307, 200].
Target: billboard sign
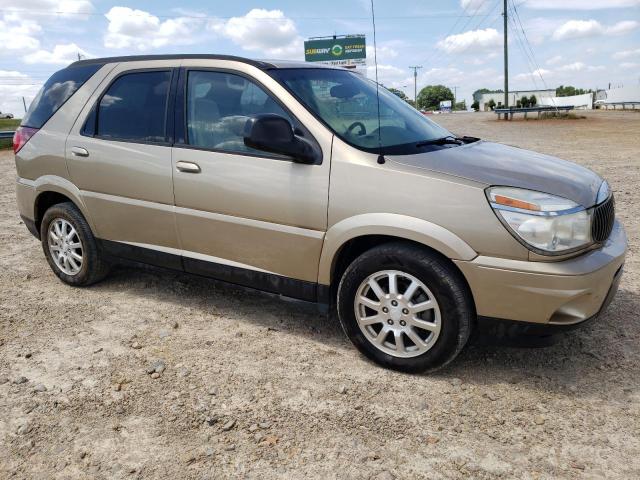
[445, 105]
[343, 51]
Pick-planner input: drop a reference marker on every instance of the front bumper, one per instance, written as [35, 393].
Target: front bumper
[556, 293]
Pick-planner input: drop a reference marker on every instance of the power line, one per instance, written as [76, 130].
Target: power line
[531, 50]
[482, 18]
[215, 17]
[520, 43]
[437, 54]
[533, 57]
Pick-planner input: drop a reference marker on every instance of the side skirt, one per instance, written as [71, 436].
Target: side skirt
[268, 282]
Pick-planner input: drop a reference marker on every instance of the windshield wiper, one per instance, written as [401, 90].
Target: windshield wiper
[448, 140]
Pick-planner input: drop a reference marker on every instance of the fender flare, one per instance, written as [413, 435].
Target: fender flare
[394, 225]
[53, 183]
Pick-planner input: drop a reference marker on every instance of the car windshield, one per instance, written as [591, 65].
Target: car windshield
[347, 103]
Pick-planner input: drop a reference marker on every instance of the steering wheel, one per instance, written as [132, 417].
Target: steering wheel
[363, 130]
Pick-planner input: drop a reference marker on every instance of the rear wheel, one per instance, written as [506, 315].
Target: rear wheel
[405, 307]
[70, 247]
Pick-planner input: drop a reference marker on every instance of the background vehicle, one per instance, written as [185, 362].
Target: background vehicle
[6, 115]
[294, 180]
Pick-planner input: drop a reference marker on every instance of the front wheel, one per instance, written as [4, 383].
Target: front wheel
[405, 307]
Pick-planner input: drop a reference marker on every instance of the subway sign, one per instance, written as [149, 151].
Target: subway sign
[338, 49]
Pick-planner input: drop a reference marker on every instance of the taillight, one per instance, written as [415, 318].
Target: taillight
[22, 136]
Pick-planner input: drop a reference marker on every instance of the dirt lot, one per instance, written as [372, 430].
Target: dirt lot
[257, 387]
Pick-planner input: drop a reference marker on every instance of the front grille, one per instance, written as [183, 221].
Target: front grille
[603, 218]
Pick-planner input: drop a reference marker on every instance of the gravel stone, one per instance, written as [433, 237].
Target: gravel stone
[229, 425]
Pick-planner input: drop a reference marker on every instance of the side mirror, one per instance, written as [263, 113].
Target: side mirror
[272, 133]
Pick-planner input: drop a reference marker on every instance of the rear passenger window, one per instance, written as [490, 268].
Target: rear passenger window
[55, 92]
[134, 108]
[218, 106]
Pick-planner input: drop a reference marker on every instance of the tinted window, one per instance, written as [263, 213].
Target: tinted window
[348, 104]
[218, 106]
[135, 107]
[57, 90]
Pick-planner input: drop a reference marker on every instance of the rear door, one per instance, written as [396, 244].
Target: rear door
[243, 215]
[119, 156]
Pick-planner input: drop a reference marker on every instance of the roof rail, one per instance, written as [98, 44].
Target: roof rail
[188, 56]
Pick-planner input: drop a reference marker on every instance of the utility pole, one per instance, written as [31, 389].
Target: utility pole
[415, 85]
[506, 60]
[455, 96]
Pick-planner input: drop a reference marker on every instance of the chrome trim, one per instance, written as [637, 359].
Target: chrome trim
[604, 192]
[569, 211]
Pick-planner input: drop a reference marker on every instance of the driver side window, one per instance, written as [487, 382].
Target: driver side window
[218, 107]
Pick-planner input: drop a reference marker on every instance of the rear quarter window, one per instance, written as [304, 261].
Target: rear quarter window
[55, 92]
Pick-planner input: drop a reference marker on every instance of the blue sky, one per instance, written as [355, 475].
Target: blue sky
[586, 43]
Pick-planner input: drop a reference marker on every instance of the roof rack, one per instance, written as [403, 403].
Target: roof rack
[139, 58]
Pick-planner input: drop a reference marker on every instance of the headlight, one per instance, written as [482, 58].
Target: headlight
[543, 222]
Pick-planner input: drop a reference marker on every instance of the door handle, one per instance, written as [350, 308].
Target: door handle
[79, 152]
[188, 167]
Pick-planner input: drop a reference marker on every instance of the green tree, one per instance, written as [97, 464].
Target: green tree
[430, 96]
[533, 101]
[475, 105]
[399, 93]
[478, 93]
[491, 104]
[461, 105]
[569, 91]
[525, 102]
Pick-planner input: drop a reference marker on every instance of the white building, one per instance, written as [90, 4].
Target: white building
[484, 98]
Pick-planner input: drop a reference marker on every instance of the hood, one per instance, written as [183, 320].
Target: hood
[497, 164]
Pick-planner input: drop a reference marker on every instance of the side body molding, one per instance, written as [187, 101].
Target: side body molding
[392, 224]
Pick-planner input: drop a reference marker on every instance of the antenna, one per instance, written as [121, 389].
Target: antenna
[375, 60]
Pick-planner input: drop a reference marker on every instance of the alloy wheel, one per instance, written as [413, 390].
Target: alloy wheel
[65, 246]
[397, 313]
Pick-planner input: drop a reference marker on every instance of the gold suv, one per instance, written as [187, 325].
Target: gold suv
[306, 181]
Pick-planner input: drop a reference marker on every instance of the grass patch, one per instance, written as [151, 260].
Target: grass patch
[8, 124]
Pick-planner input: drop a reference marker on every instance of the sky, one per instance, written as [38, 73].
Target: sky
[458, 43]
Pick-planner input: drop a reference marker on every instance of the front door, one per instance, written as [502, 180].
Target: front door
[246, 216]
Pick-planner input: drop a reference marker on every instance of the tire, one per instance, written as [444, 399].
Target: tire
[92, 268]
[449, 320]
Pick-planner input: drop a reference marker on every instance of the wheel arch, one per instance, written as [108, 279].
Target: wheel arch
[353, 236]
[53, 190]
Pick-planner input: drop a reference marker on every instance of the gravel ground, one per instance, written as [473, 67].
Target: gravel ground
[156, 374]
